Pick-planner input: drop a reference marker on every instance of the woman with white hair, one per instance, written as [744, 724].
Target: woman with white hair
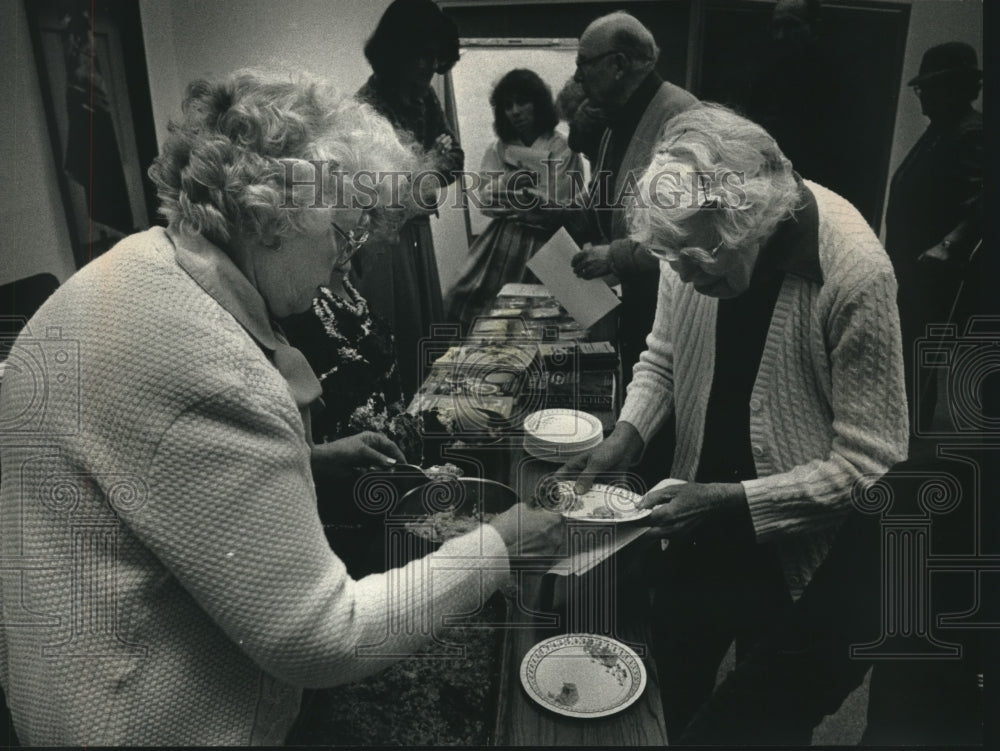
[169, 581]
[776, 343]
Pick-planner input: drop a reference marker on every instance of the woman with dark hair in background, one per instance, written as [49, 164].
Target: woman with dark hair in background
[529, 155]
[413, 41]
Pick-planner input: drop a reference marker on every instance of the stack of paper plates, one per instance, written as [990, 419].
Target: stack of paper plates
[561, 434]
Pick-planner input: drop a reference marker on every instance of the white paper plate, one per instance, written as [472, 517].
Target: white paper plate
[562, 426]
[583, 675]
[537, 443]
[553, 454]
[604, 504]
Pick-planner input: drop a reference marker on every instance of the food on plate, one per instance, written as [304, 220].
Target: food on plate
[567, 697]
[611, 662]
[603, 512]
[601, 653]
[446, 471]
[444, 525]
[557, 496]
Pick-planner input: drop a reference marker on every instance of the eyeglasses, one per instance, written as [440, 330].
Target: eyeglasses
[696, 254]
[582, 62]
[355, 239]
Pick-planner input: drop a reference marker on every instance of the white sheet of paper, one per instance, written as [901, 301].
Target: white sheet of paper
[585, 560]
[587, 300]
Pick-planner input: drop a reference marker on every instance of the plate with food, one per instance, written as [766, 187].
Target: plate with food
[583, 675]
[605, 504]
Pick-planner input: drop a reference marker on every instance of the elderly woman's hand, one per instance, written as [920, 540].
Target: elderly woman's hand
[680, 507]
[593, 261]
[614, 455]
[357, 452]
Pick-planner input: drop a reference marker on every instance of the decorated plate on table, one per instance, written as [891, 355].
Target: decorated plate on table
[605, 504]
[583, 675]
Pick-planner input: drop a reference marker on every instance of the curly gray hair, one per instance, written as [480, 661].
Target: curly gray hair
[242, 160]
[709, 157]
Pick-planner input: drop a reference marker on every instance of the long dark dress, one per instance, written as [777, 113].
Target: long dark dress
[400, 279]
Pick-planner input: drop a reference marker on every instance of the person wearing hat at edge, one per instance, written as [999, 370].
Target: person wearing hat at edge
[933, 220]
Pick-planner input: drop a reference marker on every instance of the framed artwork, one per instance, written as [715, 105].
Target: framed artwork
[92, 71]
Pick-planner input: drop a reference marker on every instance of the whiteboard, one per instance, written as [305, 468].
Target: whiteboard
[480, 69]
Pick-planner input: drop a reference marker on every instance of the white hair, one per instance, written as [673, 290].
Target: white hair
[713, 164]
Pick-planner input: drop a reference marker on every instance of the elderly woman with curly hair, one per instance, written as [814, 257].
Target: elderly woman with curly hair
[399, 277]
[176, 586]
[776, 343]
[524, 119]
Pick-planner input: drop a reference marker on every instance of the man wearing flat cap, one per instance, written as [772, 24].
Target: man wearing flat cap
[934, 219]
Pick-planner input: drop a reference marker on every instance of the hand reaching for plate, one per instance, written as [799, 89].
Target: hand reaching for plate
[615, 454]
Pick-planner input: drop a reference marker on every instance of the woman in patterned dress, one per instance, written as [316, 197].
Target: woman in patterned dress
[399, 277]
[353, 355]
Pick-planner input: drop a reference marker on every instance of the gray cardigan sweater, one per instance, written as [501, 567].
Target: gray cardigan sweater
[166, 579]
[828, 407]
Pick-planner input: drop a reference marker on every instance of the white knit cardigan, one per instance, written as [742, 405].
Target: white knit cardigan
[828, 407]
[166, 580]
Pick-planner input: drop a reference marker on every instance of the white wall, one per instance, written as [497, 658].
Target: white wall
[188, 39]
[34, 237]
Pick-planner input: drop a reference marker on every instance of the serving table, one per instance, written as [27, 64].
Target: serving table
[610, 599]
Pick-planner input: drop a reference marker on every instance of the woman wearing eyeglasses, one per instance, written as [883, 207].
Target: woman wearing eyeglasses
[776, 344]
[177, 588]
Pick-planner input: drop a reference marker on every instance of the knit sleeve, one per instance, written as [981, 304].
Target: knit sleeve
[650, 397]
[869, 421]
[232, 515]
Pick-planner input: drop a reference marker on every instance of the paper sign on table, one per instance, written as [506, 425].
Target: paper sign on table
[586, 300]
[520, 289]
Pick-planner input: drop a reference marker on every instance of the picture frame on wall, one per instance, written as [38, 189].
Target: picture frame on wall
[95, 91]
